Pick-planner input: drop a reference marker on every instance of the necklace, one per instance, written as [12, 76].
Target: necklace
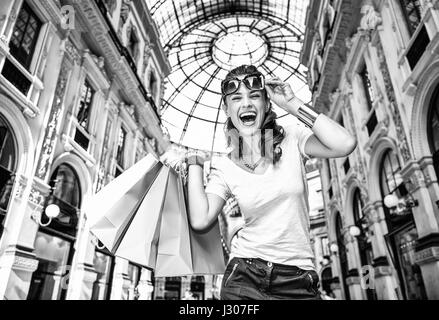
[252, 167]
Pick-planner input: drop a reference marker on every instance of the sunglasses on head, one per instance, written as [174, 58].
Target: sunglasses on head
[252, 82]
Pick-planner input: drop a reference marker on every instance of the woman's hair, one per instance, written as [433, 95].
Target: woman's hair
[268, 142]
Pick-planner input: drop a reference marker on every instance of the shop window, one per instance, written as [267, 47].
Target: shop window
[8, 160]
[50, 280]
[172, 288]
[197, 287]
[402, 237]
[54, 243]
[391, 182]
[134, 273]
[412, 10]
[103, 263]
[82, 135]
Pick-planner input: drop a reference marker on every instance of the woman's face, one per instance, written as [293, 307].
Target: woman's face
[246, 109]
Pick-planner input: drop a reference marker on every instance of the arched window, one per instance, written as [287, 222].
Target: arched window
[433, 129]
[342, 255]
[54, 244]
[391, 182]
[66, 186]
[67, 195]
[8, 163]
[402, 233]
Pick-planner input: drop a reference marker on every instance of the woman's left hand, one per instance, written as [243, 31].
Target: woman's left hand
[281, 94]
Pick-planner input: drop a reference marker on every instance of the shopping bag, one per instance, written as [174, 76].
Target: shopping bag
[139, 241]
[174, 248]
[110, 211]
[181, 250]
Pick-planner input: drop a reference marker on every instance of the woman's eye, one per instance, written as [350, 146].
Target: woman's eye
[256, 96]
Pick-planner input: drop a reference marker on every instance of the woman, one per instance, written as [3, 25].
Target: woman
[271, 256]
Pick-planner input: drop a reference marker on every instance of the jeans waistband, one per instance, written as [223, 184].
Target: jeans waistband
[265, 263]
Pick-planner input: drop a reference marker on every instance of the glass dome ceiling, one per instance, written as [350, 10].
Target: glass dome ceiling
[206, 39]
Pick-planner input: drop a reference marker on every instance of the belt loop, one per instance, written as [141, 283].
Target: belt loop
[269, 264]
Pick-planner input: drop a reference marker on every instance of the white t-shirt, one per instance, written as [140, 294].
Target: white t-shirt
[274, 205]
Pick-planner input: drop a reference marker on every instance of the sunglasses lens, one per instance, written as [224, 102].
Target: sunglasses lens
[230, 87]
[255, 82]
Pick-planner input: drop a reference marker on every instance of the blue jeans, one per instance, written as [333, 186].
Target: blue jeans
[256, 279]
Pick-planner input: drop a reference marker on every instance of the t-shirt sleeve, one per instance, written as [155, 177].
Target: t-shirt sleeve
[301, 134]
[216, 184]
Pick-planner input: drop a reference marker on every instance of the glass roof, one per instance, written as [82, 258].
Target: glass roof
[204, 40]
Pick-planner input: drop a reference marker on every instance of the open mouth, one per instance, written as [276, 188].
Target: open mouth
[248, 118]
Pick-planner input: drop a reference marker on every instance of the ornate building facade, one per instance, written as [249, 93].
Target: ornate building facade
[374, 67]
[80, 82]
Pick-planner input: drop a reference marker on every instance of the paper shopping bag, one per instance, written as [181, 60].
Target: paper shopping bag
[182, 251]
[140, 239]
[111, 210]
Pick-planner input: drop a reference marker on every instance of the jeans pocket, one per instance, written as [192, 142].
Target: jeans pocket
[235, 266]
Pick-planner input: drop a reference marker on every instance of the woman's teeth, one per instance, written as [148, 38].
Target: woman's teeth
[248, 118]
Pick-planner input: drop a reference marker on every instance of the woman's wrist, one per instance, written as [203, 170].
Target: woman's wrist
[195, 160]
[293, 105]
[307, 115]
[303, 112]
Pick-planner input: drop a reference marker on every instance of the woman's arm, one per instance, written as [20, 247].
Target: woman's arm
[330, 140]
[203, 208]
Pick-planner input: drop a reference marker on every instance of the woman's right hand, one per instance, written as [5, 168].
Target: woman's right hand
[173, 158]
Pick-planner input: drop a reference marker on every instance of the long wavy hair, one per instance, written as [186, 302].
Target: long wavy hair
[268, 142]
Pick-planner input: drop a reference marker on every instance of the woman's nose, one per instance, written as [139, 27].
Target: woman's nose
[246, 100]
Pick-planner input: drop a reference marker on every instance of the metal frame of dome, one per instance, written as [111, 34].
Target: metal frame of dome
[204, 25]
[281, 12]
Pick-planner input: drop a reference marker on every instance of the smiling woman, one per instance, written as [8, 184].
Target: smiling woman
[207, 39]
[271, 256]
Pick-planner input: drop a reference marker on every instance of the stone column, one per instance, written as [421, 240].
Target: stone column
[385, 276]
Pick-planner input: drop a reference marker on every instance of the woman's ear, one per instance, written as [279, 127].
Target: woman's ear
[225, 109]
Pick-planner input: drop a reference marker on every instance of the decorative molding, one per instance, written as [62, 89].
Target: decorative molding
[25, 264]
[50, 135]
[21, 182]
[72, 52]
[427, 255]
[413, 176]
[391, 97]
